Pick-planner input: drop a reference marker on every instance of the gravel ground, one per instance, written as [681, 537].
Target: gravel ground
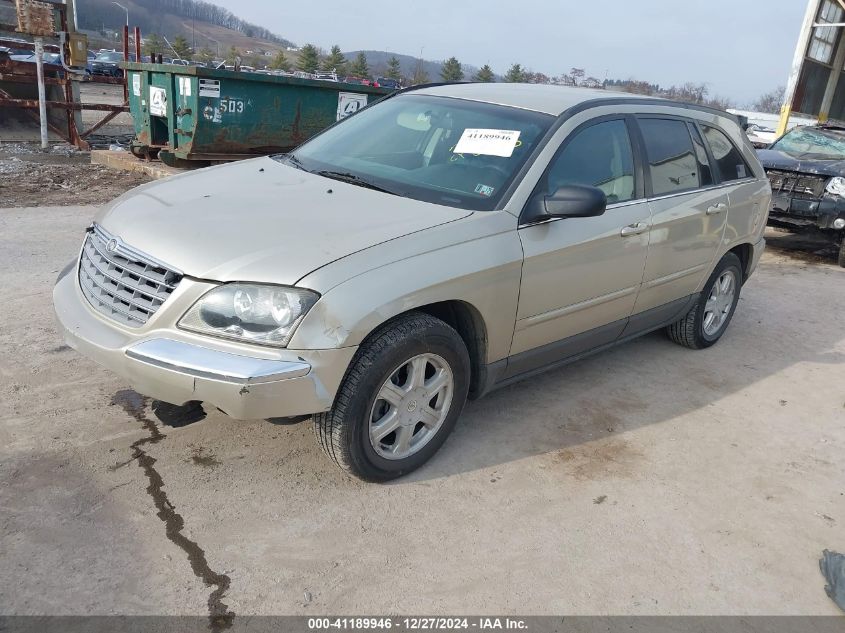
[62, 176]
[645, 480]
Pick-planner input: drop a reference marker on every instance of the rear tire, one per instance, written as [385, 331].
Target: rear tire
[842, 253]
[707, 320]
[399, 400]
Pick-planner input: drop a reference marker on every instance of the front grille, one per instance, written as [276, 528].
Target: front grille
[122, 283]
[796, 184]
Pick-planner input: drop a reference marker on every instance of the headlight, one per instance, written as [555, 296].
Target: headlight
[266, 315]
[836, 186]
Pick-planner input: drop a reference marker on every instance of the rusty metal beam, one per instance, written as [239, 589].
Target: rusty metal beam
[28, 79]
[104, 79]
[35, 118]
[33, 103]
[105, 120]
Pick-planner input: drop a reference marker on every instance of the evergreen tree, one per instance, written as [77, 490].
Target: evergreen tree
[335, 61]
[280, 62]
[182, 47]
[360, 67]
[232, 56]
[154, 43]
[394, 68]
[309, 59]
[206, 55]
[485, 74]
[451, 70]
[515, 74]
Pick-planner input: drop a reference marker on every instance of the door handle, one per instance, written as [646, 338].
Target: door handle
[634, 229]
[716, 208]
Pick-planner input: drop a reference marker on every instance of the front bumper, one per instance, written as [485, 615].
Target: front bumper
[804, 212]
[174, 366]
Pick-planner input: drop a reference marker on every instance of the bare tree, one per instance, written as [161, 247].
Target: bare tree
[770, 102]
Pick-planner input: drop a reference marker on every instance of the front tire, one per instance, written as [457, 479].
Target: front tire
[399, 400]
[707, 320]
[842, 253]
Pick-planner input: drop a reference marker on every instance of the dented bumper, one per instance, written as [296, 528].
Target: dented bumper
[175, 367]
[820, 213]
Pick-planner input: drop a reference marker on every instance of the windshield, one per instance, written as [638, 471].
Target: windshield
[436, 149]
[109, 57]
[812, 142]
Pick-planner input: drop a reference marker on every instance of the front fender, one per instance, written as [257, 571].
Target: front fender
[482, 272]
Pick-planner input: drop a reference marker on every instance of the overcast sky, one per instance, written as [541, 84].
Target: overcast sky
[740, 48]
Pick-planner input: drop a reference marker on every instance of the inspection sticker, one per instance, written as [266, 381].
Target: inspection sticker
[158, 101]
[136, 84]
[484, 190]
[487, 142]
[210, 88]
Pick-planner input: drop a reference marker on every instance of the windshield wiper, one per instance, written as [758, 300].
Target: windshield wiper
[352, 179]
[293, 161]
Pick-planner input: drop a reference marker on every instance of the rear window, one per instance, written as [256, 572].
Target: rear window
[731, 164]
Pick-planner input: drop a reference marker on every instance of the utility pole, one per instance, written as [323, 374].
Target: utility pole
[42, 95]
[125, 9]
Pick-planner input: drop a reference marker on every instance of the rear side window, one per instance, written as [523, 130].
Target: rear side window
[731, 164]
[706, 174]
[672, 160]
[600, 156]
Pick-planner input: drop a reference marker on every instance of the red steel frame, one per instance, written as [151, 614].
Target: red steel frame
[23, 72]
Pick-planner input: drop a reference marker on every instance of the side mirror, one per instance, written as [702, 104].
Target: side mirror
[571, 201]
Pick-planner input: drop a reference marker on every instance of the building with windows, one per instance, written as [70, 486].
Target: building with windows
[815, 87]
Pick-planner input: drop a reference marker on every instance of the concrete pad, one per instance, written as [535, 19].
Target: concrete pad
[127, 162]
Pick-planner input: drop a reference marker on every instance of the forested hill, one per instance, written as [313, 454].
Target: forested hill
[168, 17]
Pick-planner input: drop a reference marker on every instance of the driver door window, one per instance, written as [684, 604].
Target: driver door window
[582, 275]
[600, 156]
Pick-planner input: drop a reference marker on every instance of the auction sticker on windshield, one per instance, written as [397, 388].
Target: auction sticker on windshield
[487, 142]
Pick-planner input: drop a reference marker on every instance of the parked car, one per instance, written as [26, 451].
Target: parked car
[360, 81]
[386, 82]
[326, 76]
[441, 243]
[107, 63]
[806, 168]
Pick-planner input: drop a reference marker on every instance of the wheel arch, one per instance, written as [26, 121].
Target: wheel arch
[469, 323]
[745, 253]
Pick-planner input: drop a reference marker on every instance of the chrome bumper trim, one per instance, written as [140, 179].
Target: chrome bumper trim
[202, 362]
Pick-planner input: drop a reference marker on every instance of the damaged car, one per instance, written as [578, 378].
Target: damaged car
[806, 168]
[443, 242]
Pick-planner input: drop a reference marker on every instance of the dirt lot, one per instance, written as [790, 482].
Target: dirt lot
[647, 480]
[62, 176]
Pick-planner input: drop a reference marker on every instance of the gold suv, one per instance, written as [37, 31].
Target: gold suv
[438, 244]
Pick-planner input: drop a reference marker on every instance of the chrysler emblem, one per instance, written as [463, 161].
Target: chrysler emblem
[111, 247]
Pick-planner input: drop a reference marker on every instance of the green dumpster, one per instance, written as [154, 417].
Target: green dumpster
[191, 113]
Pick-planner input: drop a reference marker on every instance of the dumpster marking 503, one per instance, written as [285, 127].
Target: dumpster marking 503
[232, 106]
[226, 106]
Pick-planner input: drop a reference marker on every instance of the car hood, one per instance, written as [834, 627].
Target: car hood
[262, 221]
[776, 159]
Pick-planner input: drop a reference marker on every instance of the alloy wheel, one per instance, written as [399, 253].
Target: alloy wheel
[411, 406]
